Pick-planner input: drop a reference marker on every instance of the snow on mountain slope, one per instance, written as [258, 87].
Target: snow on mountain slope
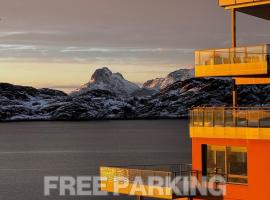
[154, 84]
[161, 83]
[179, 75]
[104, 79]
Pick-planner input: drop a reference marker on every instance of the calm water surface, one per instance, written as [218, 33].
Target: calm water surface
[29, 151]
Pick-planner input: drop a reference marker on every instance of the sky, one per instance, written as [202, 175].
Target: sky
[60, 43]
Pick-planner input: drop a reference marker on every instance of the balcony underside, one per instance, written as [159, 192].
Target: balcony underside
[252, 80]
[261, 11]
[257, 8]
[225, 3]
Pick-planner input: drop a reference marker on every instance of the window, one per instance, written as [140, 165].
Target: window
[216, 160]
[237, 164]
[228, 161]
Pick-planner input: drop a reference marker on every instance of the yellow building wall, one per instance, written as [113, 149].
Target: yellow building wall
[232, 69]
[230, 133]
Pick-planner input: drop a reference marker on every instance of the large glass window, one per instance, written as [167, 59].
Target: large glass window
[216, 160]
[228, 161]
[237, 164]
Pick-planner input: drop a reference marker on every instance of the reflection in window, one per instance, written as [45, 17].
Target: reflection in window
[216, 160]
[237, 164]
[229, 161]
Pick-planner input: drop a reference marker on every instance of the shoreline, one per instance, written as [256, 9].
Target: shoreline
[93, 120]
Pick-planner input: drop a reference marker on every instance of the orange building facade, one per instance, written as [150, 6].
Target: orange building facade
[258, 163]
[231, 142]
[235, 141]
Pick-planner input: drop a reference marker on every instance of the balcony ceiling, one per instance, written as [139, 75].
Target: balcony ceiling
[261, 11]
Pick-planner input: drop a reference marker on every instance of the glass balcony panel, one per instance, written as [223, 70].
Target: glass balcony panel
[238, 55]
[197, 58]
[198, 116]
[222, 56]
[219, 117]
[257, 54]
[253, 118]
[241, 119]
[209, 118]
[206, 58]
[229, 118]
[193, 120]
[265, 119]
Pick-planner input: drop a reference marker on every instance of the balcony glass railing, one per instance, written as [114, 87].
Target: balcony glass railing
[252, 60]
[252, 54]
[128, 176]
[129, 173]
[235, 2]
[230, 117]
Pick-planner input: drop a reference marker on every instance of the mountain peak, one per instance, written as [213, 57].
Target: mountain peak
[105, 79]
[161, 83]
[102, 74]
[178, 75]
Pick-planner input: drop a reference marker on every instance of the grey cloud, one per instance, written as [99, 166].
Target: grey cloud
[158, 31]
[41, 53]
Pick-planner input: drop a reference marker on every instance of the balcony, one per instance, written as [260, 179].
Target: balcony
[123, 180]
[225, 122]
[257, 8]
[239, 2]
[240, 61]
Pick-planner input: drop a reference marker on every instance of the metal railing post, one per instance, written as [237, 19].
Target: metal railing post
[247, 117]
[139, 198]
[213, 117]
[203, 117]
[192, 114]
[259, 117]
[224, 119]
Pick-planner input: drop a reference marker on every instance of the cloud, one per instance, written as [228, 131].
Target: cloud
[135, 50]
[34, 32]
[93, 55]
[11, 33]
[15, 47]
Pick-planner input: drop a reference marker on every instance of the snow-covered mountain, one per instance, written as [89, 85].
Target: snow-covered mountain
[98, 102]
[161, 83]
[104, 79]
